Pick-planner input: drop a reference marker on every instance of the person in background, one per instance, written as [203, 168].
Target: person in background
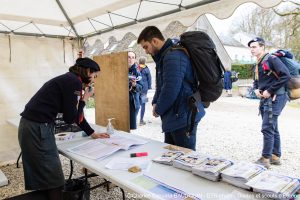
[135, 88]
[175, 82]
[228, 83]
[270, 79]
[146, 81]
[67, 94]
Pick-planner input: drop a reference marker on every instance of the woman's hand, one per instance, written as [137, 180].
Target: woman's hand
[88, 92]
[100, 135]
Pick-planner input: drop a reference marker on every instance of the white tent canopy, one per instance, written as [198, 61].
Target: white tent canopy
[28, 62]
[77, 18]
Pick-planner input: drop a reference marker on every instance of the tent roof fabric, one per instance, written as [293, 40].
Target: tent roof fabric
[77, 18]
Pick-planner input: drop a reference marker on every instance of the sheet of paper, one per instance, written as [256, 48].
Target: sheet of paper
[125, 163]
[160, 189]
[94, 149]
[101, 148]
[123, 141]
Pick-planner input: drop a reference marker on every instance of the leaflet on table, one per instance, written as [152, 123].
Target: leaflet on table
[168, 157]
[213, 165]
[94, 149]
[123, 141]
[269, 181]
[243, 170]
[125, 163]
[160, 189]
[100, 148]
[187, 161]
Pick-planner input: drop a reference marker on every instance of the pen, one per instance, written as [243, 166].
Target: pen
[132, 155]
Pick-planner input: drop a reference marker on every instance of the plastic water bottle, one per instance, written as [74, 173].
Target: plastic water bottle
[109, 128]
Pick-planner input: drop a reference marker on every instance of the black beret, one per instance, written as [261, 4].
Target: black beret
[87, 63]
[256, 39]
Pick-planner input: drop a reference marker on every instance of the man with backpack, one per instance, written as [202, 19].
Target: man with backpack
[271, 77]
[174, 84]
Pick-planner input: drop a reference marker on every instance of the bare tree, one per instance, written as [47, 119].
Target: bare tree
[280, 25]
[293, 15]
[259, 22]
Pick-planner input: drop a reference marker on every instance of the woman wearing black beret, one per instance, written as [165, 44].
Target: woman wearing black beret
[67, 94]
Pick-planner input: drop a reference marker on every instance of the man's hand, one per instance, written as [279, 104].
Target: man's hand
[153, 111]
[133, 83]
[266, 94]
[257, 93]
[100, 135]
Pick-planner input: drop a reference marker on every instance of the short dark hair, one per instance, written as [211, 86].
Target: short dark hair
[149, 33]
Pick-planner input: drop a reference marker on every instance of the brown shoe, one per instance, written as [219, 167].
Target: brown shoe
[264, 162]
[275, 160]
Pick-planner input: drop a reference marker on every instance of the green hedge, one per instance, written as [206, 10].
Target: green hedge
[90, 103]
[245, 70]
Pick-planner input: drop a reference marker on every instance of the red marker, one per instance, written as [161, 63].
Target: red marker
[138, 154]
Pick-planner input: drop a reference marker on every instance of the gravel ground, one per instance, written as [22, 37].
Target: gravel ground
[230, 129]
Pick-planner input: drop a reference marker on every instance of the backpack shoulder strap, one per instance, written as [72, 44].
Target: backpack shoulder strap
[265, 62]
[181, 48]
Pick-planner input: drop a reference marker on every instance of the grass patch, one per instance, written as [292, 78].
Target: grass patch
[294, 104]
[90, 103]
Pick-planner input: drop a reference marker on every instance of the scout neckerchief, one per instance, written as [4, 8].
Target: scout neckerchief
[259, 60]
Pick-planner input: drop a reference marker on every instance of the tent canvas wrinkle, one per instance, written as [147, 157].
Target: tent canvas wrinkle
[76, 18]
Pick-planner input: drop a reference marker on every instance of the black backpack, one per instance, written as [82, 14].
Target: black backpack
[207, 66]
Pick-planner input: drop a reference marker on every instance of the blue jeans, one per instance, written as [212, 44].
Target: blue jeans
[143, 105]
[179, 138]
[270, 111]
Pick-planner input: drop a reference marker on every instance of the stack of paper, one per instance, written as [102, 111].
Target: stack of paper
[168, 157]
[275, 186]
[188, 161]
[211, 168]
[240, 173]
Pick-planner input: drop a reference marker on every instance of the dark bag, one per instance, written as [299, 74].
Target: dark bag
[206, 64]
[76, 189]
[207, 67]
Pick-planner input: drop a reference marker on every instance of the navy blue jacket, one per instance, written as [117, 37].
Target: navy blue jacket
[174, 75]
[58, 95]
[134, 93]
[146, 79]
[266, 79]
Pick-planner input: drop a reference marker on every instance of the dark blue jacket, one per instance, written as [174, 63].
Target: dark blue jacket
[58, 95]
[173, 86]
[134, 93]
[146, 79]
[227, 80]
[266, 79]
